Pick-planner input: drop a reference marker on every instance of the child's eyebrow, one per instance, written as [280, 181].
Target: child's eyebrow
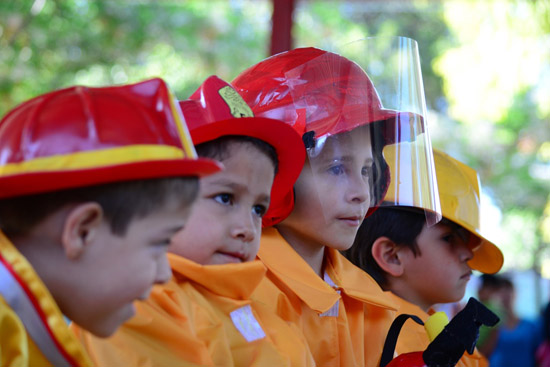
[229, 183]
[348, 158]
[165, 234]
[171, 230]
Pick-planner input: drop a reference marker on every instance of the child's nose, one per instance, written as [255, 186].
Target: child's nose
[466, 253]
[244, 226]
[358, 189]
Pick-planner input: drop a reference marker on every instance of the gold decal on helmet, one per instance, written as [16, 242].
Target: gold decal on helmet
[238, 106]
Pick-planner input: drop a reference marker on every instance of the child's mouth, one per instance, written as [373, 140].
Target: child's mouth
[351, 221]
[233, 257]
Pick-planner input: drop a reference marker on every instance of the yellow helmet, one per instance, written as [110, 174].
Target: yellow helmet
[459, 194]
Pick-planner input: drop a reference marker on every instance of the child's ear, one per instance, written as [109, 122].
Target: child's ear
[386, 253]
[81, 226]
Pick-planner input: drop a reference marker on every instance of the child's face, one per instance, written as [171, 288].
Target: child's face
[225, 225]
[507, 297]
[440, 272]
[332, 193]
[122, 269]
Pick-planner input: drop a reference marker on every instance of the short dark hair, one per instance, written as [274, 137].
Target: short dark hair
[491, 281]
[506, 283]
[122, 202]
[402, 226]
[218, 148]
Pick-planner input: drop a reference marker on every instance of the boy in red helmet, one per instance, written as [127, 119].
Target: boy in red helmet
[421, 265]
[93, 184]
[205, 315]
[333, 104]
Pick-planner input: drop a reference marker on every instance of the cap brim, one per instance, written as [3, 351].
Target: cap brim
[47, 181]
[487, 258]
[281, 136]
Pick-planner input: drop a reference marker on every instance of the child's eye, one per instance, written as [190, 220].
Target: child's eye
[336, 170]
[259, 210]
[366, 171]
[224, 199]
[162, 245]
[449, 238]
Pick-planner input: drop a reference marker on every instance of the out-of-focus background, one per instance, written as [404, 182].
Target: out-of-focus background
[486, 69]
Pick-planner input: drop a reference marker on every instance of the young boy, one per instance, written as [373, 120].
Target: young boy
[422, 265]
[333, 104]
[93, 184]
[204, 315]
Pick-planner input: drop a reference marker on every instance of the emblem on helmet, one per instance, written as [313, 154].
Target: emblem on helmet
[238, 106]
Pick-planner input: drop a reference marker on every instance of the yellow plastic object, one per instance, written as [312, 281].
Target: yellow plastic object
[435, 324]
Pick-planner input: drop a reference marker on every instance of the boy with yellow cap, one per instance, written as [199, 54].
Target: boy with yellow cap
[331, 101]
[205, 315]
[421, 265]
[93, 184]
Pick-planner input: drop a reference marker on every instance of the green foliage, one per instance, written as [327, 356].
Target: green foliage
[106, 41]
[518, 135]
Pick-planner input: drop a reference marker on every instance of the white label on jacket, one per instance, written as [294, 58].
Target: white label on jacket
[246, 323]
[333, 311]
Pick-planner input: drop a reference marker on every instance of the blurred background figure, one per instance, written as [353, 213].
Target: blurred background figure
[487, 293]
[515, 340]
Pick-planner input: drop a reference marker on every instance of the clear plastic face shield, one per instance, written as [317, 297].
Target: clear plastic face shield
[364, 128]
[393, 66]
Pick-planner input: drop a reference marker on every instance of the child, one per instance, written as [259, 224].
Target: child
[517, 338]
[93, 184]
[332, 102]
[204, 315]
[423, 265]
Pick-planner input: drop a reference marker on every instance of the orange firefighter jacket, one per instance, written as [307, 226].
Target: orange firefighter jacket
[33, 331]
[203, 316]
[343, 317]
[413, 337]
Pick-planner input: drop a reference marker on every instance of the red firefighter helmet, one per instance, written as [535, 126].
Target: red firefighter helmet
[315, 90]
[323, 93]
[82, 136]
[217, 110]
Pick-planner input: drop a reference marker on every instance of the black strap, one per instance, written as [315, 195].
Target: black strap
[393, 334]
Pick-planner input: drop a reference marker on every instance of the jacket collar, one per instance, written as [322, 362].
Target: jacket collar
[236, 281]
[287, 265]
[23, 290]
[409, 308]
